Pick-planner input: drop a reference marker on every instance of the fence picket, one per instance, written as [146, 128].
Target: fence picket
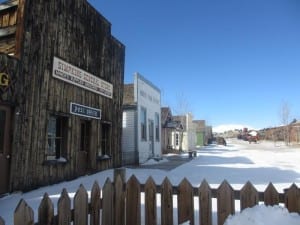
[133, 202]
[271, 196]
[23, 214]
[119, 218]
[64, 209]
[121, 203]
[205, 204]
[81, 206]
[166, 203]
[225, 202]
[248, 196]
[292, 199]
[2, 222]
[107, 206]
[95, 204]
[46, 211]
[185, 202]
[150, 202]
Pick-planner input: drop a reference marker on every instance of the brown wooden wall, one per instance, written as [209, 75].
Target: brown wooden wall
[75, 32]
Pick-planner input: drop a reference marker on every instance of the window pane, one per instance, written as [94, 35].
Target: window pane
[143, 124]
[57, 133]
[51, 136]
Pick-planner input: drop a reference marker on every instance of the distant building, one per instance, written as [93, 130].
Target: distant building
[170, 130]
[184, 140]
[141, 137]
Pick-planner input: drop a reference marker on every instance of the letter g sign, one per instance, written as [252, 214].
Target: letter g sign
[4, 79]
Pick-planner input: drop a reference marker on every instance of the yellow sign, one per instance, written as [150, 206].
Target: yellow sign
[4, 79]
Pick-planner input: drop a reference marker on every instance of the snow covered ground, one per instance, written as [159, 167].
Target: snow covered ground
[238, 162]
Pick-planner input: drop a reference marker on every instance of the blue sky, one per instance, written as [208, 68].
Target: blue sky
[228, 62]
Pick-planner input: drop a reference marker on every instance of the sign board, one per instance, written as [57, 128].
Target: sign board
[76, 76]
[85, 111]
[4, 79]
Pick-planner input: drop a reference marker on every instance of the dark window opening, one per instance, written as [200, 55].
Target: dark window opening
[143, 124]
[105, 139]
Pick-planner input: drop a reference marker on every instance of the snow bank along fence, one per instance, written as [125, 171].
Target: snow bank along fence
[119, 203]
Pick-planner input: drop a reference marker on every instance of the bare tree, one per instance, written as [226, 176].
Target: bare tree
[182, 108]
[284, 115]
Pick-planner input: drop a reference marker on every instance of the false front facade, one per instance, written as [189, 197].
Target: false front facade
[61, 95]
[141, 136]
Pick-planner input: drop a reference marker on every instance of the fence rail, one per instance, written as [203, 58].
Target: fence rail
[119, 203]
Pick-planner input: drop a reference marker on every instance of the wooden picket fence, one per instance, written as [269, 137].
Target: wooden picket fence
[119, 203]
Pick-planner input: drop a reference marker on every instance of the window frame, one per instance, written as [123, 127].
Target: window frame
[57, 128]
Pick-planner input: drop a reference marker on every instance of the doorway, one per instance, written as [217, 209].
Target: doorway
[5, 151]
[84, 147]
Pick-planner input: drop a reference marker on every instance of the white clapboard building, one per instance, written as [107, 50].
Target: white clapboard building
[141, 134]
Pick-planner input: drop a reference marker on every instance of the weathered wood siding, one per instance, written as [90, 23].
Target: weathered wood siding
[75, 32]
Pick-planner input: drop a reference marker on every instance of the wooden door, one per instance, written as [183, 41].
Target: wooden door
[5, 151]
[84, 147]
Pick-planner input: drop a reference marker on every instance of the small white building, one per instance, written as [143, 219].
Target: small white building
[185, 139]
[141, 134]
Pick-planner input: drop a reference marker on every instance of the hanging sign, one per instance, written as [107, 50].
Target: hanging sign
[85, 111]
[76, 76]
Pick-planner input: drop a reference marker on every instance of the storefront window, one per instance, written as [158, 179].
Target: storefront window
[157, 127]
[143, 124]
[57, 128]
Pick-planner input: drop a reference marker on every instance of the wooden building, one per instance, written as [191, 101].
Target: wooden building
[141, 136]
[61, 93]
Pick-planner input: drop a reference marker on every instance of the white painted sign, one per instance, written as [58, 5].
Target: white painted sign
[76, 76]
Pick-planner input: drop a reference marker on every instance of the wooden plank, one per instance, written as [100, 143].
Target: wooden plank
[166, 203]
[81, 206]
[150, 202]
[95, 204]
[225, 202]
[107, 209]
[205, 204]
[185, 201]
[64, 209]
[46, 211]
[23, 214]
[249, 196]
[292, 199]
[271, 196]
[133, 201]
[6, 31]
[119, 218]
